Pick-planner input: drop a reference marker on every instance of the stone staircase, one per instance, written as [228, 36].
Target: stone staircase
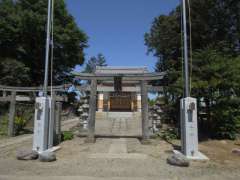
[106, 115]
[118, 123]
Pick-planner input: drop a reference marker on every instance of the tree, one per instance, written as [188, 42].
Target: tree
[214, 71]
[215, 84]
[13, 73]
[93, 62]
[22, 37]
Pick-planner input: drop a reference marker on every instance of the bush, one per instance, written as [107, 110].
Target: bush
[169, 134]
[19, 124]
[3, 125]
[67, 135]
[227, 119]
[22, 117]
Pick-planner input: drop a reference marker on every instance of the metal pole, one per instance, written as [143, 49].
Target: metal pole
[186, 70]
[47, 50]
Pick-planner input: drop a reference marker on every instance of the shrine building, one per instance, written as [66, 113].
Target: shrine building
[117, 95]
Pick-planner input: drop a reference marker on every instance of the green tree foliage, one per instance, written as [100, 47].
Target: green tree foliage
[215, 82]
[13, 73]
[215, 69]
[93, 62]
[23, 34]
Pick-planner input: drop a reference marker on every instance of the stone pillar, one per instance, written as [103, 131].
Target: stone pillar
[92, 112]
[144, 102]
[100, 102]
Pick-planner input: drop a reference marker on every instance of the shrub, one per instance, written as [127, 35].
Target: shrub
[169, 134]
[227, 119]
[19, 124]
[3, 125]
[67, 135]
[23, 115]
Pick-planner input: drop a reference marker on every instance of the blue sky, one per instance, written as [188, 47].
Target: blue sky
[116, 28]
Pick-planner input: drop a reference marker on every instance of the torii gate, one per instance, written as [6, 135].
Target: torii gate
[142, 78]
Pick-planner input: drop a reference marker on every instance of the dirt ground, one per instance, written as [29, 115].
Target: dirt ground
[143, 161]
[120, 158]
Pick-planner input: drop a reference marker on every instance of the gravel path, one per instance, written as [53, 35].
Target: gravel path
[122, 158]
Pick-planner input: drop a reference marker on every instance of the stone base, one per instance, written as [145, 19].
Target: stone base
[47, 156]
[198, 157]
[145, 141]
[90, 140]
[54, 148]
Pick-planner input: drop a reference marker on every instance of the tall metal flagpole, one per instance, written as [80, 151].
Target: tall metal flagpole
[188, 107]
[42, 127]
[186, 67]
[47, 49]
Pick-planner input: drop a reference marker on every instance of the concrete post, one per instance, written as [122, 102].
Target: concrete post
[189, 130]
[41, 124]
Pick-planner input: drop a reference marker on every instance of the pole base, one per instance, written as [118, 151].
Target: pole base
[198, 157]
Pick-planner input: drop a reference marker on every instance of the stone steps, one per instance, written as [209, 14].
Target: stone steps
[104, 115]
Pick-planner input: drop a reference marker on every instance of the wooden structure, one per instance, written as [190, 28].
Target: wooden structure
[99, 77]
[119, 95]
[10, 94]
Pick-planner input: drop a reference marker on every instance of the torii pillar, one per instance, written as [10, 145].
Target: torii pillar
[92, 112]
[144, 103]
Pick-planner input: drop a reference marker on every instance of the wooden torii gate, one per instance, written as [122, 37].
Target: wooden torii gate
[143, 78]
[9, 94]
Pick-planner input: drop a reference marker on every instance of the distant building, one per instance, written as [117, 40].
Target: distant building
[128, 99]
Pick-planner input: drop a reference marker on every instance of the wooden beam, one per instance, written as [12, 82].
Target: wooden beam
[31, 89]
[125, 89]
[23, 98]
[27, 98]
[125, 77]
[5, 99]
